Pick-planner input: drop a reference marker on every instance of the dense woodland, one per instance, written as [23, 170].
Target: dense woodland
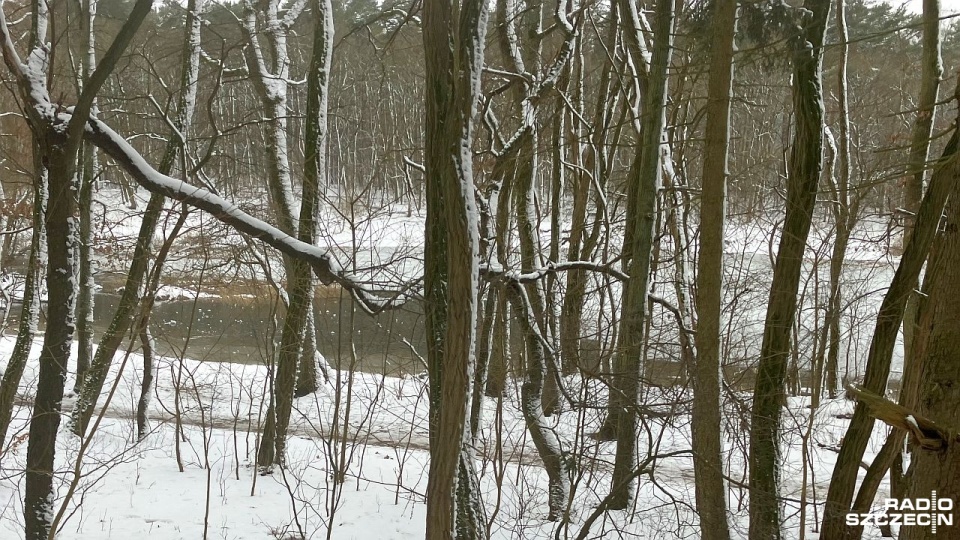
[664, 237]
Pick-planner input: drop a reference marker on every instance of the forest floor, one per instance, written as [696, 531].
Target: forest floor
[128, 489]
[196, 478]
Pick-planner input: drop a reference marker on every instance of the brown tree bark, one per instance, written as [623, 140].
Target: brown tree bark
[889, 317]
[453, 36]
[58, 139]
[642, 191]
[805, 166]
[706, 423]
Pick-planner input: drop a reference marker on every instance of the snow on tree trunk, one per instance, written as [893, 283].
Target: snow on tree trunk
[452, 265]
[642, 192]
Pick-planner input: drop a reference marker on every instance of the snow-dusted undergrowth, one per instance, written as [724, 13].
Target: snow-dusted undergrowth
[129, 489]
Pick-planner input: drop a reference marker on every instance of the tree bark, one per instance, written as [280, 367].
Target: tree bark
[299, 278]
[642, 192]
[88, 167]
[889, 317]
[805, 166]
[30, 309]
[940, 471]
[126, 313]
[544, 438]
[59, 139]
[453, 37]
[707, 420]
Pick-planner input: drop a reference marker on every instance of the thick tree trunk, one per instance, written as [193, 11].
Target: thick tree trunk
[59, 140]
[938, 470]
[38, 499]
[805, 166]
[706, 423]
[453, 36]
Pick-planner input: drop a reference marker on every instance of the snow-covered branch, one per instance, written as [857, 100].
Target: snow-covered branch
[324, 266]
[494, 272]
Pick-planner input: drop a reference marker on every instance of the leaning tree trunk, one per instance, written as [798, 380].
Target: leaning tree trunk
[889, 317]
[544, 437]
[806, 158]
[939, 471]
[59, 139]
[707, 420]
[126, 312]
[932, 423]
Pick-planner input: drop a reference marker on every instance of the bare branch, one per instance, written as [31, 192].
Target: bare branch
[324, 266]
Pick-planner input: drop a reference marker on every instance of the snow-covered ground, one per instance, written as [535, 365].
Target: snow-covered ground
[127, 489]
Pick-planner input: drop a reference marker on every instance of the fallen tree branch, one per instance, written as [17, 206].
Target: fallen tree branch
[923, 431]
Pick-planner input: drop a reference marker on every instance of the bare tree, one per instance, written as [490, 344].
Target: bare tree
[642, 192]
[805, 166]
[707, 418]
[173, 159]
[889, 317]
[59, 138]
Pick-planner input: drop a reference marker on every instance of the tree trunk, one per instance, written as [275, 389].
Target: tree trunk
[642, 191]
[843, 480]
[126, 312]
[59, 140]
[805, 166]
[706, 422]
[38, 499]
[939, 471]
[544, 438]
[844, 216]
[453, 40]
[112, 337]
[496, 382]
[30, 309]
[484, 353]
[88, 167]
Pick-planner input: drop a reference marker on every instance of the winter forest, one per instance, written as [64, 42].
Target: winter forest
[570, 269]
